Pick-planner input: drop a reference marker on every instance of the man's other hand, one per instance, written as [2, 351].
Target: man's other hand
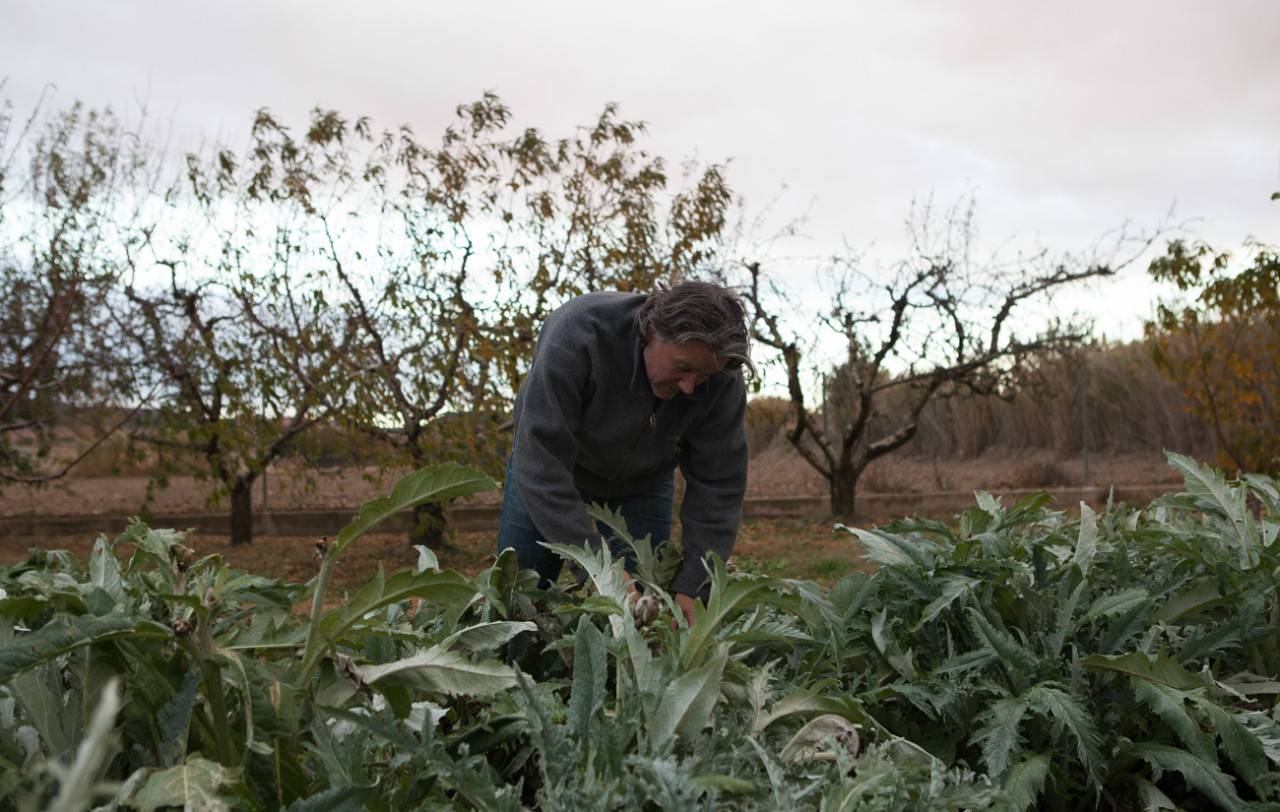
[633, 592]
[686, 603]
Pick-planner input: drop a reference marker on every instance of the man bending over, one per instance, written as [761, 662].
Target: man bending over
[623, 388]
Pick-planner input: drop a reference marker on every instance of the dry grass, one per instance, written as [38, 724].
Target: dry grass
[797, 548]
[1132, 410]
[780, 471]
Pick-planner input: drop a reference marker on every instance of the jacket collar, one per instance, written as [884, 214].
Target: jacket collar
[640, 381]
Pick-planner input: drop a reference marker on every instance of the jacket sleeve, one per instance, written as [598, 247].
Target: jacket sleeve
[545, 448]
[714, 465]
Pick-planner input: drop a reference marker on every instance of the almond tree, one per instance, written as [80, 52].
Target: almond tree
[941, 324]
[477, 239]
[344, 275]
[408, 276]
[593, 211]
[233, 322]
[65, 207]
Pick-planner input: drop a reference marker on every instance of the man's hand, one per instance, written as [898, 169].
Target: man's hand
[633, 592]
[686, 603]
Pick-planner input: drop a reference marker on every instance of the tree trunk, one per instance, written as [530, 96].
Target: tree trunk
[430, 526]
[843, 488]
[242, 512]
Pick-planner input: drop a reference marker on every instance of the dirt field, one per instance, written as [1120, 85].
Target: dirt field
[791, 547]
[777, 471]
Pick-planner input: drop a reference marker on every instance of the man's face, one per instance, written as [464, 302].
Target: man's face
[674, 369]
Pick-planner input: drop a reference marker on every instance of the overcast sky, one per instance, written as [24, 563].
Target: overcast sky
[1064, 119]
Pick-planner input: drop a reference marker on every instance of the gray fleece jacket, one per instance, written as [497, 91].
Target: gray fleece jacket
[588, 427]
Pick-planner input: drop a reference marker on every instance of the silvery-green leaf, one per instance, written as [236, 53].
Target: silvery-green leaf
[1204, 776]
[439, 588]
[1153, 800]
[1170, 705]
[1000, 641]
[590, 669]
[1244, 685]
[174, 719]
[487, 636]
[64, 634]
[1116, 603]
[889, 550]
[104, 570]
[1157, 668]
[1087, 542]
[424, 715]
[684, 706]
[199, 785]
[1000, 735]
[1202, 594]
[434, 483]
[758, 692]
[807, 701]
[335, 799]
[604, 571]
[1068, 714]
[988, 503]
[76, 788]
[1210, 486]
[439, 670]
[725, 784]
[953, 587]
[727, 597]
[1242, 746]
[818, 738]
[426, 559]
[1025, 782]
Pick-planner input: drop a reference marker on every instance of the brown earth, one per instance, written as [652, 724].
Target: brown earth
[286, 487]
[800, 548]
[775, 471]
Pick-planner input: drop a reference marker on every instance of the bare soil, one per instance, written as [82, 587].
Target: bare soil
[799, 548]
[775, 471]
[286, 488]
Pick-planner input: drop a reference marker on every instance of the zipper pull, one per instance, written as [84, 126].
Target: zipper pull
[653, 420]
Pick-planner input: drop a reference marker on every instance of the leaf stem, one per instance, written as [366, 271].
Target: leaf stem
[217, 698]
[309, 652]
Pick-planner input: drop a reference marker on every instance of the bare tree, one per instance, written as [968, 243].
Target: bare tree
[942, 324]
[64, 210]
[409, 280]
[342, 275]
[593, 212]
[231, 319]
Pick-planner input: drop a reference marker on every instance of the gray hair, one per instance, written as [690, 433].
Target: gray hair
[699, 311]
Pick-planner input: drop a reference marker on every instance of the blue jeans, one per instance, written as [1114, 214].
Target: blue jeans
[646, 514]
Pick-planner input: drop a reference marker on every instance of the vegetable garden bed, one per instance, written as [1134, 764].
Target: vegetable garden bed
[1015, 657]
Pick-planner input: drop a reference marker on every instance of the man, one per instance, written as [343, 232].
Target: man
[623, 388]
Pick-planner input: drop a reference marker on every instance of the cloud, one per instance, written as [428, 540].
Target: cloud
[1064, 119]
